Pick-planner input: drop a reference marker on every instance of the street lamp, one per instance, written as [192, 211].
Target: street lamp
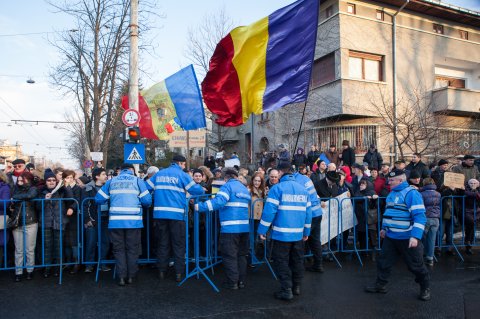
[394, 62]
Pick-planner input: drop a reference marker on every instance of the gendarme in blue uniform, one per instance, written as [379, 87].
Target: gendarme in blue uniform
[288, 209]
[170, 197]
[233, 201]
[404, 215]
[127, 194]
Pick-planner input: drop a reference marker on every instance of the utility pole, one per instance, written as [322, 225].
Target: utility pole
[133, 62]
[394, 63]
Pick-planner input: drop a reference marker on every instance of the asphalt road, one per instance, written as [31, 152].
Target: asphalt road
[337, 293]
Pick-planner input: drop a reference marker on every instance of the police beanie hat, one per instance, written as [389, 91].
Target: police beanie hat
[283, 166]
[396, 172]
[127, 166]
[442, 162]
[414, 174]
[231, 171]
[179, 158]
[48, 174]
[468, 156]
[18, 161]
[332, 176]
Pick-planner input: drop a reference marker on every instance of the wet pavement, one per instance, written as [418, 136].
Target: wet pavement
[337, 293]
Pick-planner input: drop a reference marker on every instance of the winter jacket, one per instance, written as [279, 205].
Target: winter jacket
[374, 159]
[438, 176]
[324, 190]
[312, 193]
[404, 216]
[299, 159]
[4, 197]
[257, 201]
[356, 181]
[469, 171]
[472, 208]
[284, 157]
[52, 216]
[23, 196]
[420, 167]
[312, 157]
[333, 157]
[126, 194]
[170, 188]
[348, 156]
[317, 176]
[431, 200]
[362, 205]
[288, 210]
[379, 186]
[90, 207]
[233, 202]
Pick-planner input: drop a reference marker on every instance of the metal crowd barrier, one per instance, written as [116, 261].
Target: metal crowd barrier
[201, 260]
[41, 229]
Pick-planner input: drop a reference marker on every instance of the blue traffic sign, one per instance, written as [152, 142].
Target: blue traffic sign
[134, 153]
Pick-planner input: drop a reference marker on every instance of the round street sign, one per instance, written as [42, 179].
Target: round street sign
[131, 117]
[88, 164]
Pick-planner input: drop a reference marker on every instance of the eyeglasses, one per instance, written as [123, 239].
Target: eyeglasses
[18, 166]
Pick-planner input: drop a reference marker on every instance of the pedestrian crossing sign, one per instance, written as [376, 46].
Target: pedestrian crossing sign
[134, 153]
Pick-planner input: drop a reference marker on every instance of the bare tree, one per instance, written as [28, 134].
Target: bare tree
[201, 43]
[421, 124]
[94, 67]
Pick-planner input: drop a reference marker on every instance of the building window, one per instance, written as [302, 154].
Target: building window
[323, 70]
[437, 28]
[264, 116]
[360, 137]
[463, 34]
[380, 15]
[329, 12]
[365, 66]
[351, 8]
[442, 81]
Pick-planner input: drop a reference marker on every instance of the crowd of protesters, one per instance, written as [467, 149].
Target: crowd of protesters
[39, 222]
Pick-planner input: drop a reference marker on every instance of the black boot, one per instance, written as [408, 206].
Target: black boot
[29, 275]
[424, 294]
[284, 294]
[18, 278]
[376, 288]
[296, 290]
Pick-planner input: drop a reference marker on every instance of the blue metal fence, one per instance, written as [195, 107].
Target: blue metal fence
[205, 233]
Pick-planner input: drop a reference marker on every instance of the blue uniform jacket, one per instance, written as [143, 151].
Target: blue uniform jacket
[312, 193]
[404, 216]
[127, 194]
[288, 209]
[232, 201]
[170, 187]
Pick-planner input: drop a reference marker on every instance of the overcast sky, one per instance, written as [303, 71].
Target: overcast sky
[31, 56]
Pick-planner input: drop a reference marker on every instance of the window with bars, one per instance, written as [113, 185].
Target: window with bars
[360, 137]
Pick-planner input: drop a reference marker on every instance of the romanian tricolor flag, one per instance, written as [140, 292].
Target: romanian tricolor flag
[264, 66]
[171, 105]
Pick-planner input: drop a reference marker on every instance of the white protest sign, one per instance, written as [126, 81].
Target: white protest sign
[330, 218]
[232, 162]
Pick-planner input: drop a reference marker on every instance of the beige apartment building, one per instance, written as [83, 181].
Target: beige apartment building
[437, 83]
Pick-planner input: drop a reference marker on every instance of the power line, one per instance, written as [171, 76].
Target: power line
[35, 33]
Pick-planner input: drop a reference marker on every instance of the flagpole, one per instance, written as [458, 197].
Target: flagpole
[299, 130]
[188, 150]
